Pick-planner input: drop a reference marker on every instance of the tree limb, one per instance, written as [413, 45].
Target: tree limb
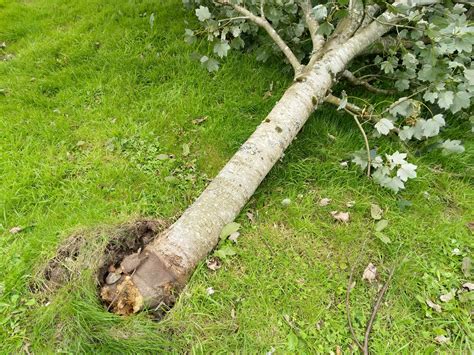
[313, 25]
[262, 22]
[346, 74]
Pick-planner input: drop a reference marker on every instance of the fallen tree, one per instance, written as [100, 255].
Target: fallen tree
[338, 34]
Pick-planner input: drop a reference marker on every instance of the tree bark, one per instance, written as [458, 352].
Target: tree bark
[169, 260]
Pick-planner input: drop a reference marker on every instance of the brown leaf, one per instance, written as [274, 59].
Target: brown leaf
[213, 264]
[341, 216]
[466, 266]
[433, 305]
[370, 273]
[448, 296]
[112, 278]
[324, 201]
[251, 217]
[199, 120]
[234, 236]
[468, 285]
[470, 226]
[441, 339]
[16, 230]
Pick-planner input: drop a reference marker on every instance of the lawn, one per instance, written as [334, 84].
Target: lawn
[91, 95]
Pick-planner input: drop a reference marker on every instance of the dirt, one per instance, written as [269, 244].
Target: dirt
[87, 250]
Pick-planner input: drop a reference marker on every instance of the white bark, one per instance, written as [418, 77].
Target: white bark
[173, 255]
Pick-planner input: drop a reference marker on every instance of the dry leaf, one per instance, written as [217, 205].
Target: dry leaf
[468, 285]
[376, 212]
[214, 264]
[470, 226]
[200, 120]
[16, 230]
[448, 296]
[234, 236]
[441, 339]
[370, 273]
[433, 305]
[324, 201]
[341, 216]
[251, 217]
[466, 266]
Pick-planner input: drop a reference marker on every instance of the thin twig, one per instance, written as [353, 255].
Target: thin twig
[376, 308]
[366, 141]
[348, 311]
[262, 22]
[346, 74]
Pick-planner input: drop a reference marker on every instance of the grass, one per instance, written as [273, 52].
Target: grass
[93, 95]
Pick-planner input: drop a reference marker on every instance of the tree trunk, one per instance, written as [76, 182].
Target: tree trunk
[168, 261]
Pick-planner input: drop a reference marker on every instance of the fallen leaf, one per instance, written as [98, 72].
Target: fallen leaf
[234, 236]
[199, 120]
[433, 305]
[468, 285]
[381, 225]
[350, 204]
[162, 156]
[370, 273]
[210, 291]
[375, 211]
[324, 201]
[441, 339]
[186, 150]
[251, 217]
[16, 230]
[213, 264]
[225, 251]
[383, 238]
[470, 226]
[286, 202]
[341, 216]
[466, 266]
[229, 229]
[448, 296]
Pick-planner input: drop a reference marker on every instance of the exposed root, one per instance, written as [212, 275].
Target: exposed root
[104, 251]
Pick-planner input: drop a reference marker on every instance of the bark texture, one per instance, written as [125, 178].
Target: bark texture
[168, 261]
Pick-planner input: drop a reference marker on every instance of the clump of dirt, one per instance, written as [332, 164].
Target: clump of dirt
[98, 250]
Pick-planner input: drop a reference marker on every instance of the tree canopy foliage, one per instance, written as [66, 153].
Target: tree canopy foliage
[425, 60]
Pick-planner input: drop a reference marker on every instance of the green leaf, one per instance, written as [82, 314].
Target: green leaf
[225, 251]
[384, 126]
[381, 225]
[203, 13]
[445, 99]
[221, 48]
[229, 229]
[452, 147]
[383, 238]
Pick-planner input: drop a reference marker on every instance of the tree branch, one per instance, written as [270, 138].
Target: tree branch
[354, 111]
[313, 25]
[346, 74]
[262, 22]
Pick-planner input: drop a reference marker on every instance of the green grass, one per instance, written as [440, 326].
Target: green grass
[93, 95]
